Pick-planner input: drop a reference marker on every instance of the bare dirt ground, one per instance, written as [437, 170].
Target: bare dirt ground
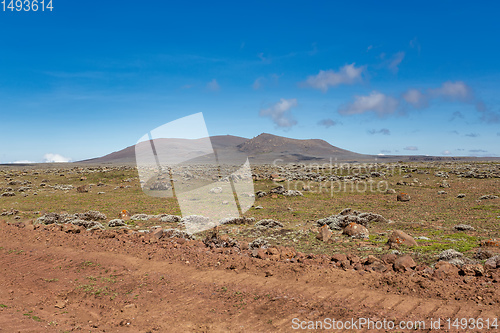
[109, 281]
[58, 276]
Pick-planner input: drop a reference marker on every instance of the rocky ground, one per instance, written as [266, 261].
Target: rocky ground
[108, 258]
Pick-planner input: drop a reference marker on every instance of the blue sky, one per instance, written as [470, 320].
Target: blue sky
[92, 77]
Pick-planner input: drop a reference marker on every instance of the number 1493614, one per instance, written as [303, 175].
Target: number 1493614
[26, 5]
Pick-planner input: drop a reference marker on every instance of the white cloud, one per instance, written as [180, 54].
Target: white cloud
[347, 74]
[446, 152]
[327, 122]
[55, 158]
[455, 91]
[416, 98]
[375, 102]
[412, 148]
[280, 112]
[395, 61]
[213, 85]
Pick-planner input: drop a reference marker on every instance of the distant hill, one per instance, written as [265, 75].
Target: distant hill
[264, 148]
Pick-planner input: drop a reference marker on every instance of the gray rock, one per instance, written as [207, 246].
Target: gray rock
[116, 223]
[87, 224]
[488, 197]
[461, 195]
[464, 227]
[63, 187]
[278, 190]
[140, 217]
[237, 220]
[8, 194]
[176, 233]
[170, 218]
[492, 263]
[453, 257]
[269, 223]
[348, 215]
[91, 215]
[292, 193]
[258, 243]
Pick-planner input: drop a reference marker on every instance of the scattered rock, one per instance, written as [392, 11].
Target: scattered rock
[472, 270]
[488, 197]
[116, 223]
[167, 218]
[293, 193]
[464, 227]
[258, 243]
[404, 263]
[176, 233]
[89, 225]
[348, 215]
[444, 184]
[461, 195]
[404, 197]
[444, 269]
[324, 233]
[260, 194]
[389, 258]
[278, 190]
[399, 237]
[82, 189]
[452, 256]
[124, 215]
[8, 194]
[390, 191]
[269, 223]
[237, 220]
[483, 254]
[356, 230]
[91, 215]
[492, 263]
[339, 257]
[63, 187]
[140, 217]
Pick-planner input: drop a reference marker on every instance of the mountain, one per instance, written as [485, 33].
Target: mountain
[262, 149]
[267, 146]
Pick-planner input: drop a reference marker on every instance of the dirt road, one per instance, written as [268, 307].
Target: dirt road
[52, 281]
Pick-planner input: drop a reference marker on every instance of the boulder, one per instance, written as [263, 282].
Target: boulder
[356, 231]
[404, 263]
[403, 197]
[324, 233]
[444, 269]
[399, 237]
